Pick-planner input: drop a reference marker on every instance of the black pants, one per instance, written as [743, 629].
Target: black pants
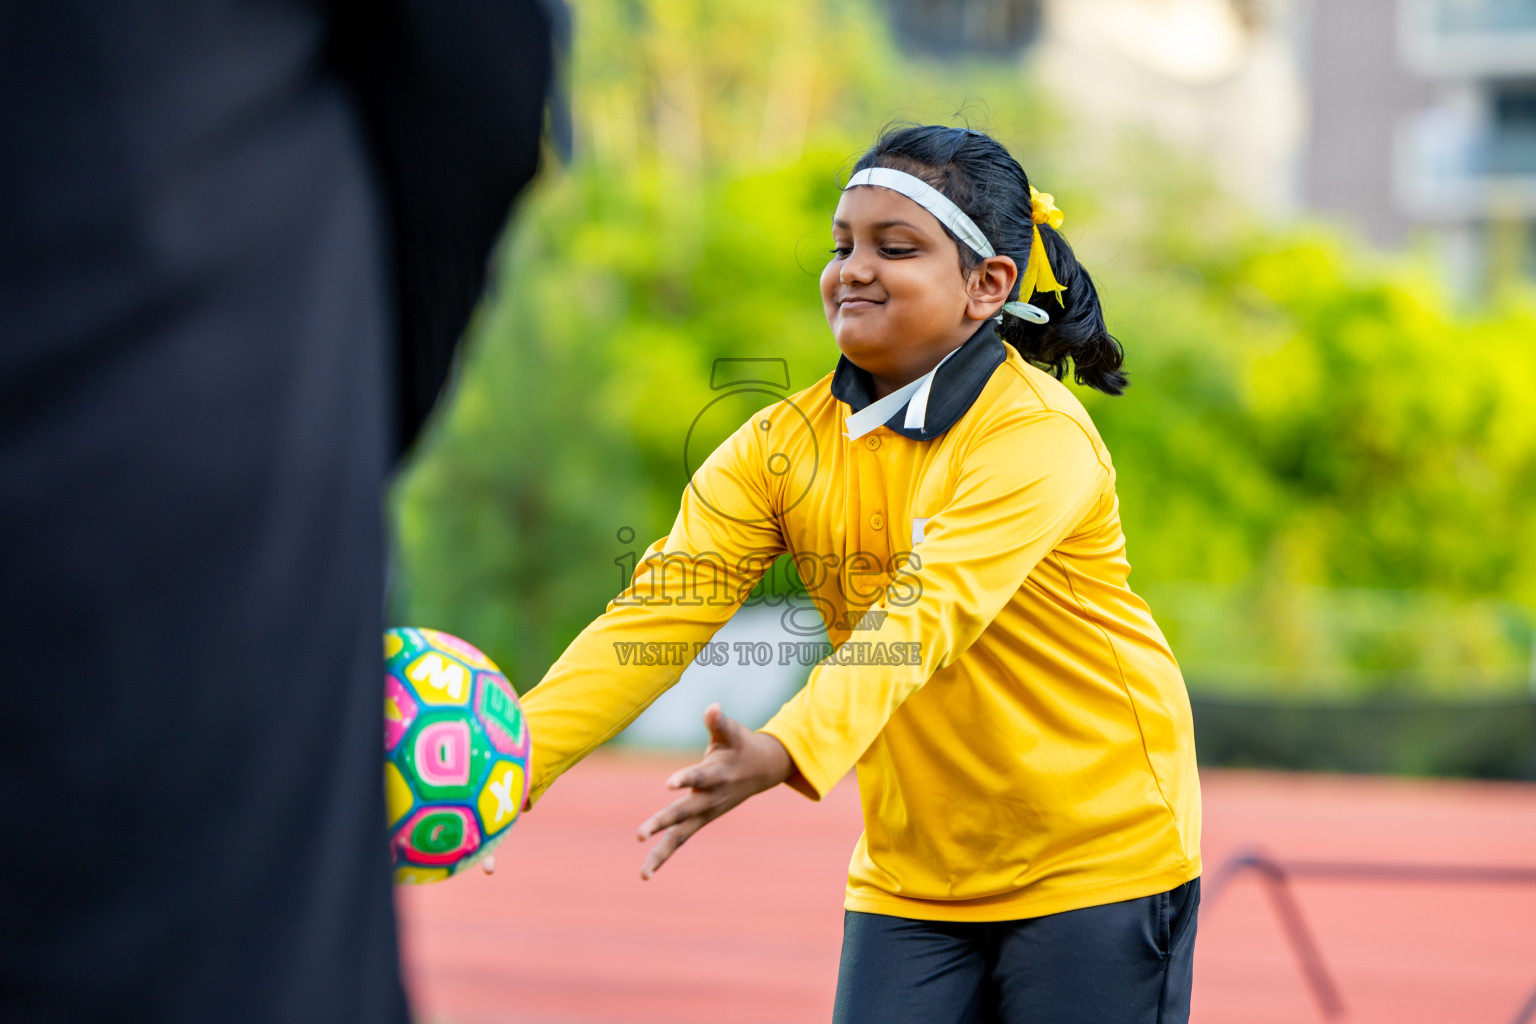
[1121, 963]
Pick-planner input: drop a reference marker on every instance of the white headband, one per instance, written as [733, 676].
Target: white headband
[948, 214]
[930, 199]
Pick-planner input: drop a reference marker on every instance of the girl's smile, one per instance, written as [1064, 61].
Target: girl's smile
[895, 292]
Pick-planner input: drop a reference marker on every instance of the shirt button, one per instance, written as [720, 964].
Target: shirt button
[871, 443]
[877, 521]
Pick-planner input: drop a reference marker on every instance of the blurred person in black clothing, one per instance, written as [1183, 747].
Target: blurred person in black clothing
[238, 242]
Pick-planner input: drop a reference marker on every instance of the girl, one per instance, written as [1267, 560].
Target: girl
[1019, 726]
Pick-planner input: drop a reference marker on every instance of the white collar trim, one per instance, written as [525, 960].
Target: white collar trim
[913, 395]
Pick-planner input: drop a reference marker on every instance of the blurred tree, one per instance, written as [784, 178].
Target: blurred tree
[1326, 475]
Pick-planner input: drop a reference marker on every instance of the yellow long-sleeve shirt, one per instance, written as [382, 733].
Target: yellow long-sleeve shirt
[1020, 728]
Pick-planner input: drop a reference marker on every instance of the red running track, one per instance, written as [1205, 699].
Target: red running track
[744, 923]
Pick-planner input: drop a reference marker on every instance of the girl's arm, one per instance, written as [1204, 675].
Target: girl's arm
[684, 588]
[1023, 488]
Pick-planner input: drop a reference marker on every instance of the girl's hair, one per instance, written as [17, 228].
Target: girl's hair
[983, 179]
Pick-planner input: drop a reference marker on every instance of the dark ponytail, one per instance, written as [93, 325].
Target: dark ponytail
[983, 179]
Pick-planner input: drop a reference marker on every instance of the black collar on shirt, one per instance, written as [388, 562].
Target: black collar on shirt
[955, 388]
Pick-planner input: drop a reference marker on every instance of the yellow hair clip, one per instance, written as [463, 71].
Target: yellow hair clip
[1042, 208]
[1037, 273]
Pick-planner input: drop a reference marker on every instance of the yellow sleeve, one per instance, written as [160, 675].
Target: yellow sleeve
[1022, 489]
[684, 588]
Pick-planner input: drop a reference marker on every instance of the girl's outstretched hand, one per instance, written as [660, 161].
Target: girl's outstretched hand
[738, 763]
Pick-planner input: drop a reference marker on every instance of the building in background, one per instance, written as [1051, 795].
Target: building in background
[954, 28]
[1464, 158]
[1405, 119]
[1218, 79]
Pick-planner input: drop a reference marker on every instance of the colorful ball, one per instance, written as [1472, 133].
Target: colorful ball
[456, 754]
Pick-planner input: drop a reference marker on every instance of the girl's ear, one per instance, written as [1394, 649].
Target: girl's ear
[988, 285]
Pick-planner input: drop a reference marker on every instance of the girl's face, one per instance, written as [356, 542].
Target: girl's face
[894, 294]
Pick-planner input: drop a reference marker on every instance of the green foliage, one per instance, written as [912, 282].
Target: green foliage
[1326, 477]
